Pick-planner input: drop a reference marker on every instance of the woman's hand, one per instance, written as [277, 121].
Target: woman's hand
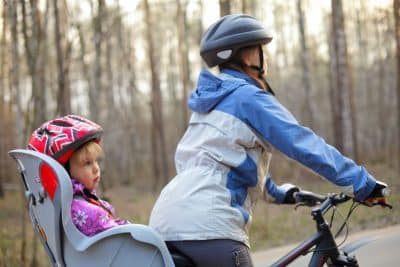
[378, 195]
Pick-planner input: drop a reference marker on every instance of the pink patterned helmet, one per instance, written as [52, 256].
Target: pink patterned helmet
[60, 137]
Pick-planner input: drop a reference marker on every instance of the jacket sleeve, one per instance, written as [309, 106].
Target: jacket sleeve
[276, 193]
[273, 193]
[277, 126]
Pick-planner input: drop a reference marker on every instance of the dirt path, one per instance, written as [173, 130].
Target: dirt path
[384, 251]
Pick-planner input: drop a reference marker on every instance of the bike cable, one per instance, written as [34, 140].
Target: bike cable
[353, 206]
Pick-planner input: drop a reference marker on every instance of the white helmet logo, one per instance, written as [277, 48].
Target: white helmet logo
[224, 54]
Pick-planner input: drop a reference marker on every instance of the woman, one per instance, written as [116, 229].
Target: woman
[222, 160]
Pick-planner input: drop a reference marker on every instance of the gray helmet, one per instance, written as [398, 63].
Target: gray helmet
[224, 38]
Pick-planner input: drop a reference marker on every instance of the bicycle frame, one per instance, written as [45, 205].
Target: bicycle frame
[326, 249]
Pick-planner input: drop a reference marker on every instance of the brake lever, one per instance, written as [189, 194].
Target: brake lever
[301, 204]
[382, 204]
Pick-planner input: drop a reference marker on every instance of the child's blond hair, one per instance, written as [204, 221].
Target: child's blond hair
[90, 150]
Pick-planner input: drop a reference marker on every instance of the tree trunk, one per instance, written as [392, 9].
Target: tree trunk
[347, 140]
[396, 8]
[381, 94]
[364, 88]
[245, 7]
[110, 79]
[249, 7]
[183, 61]
[33, 48]
[3, 48]
[15, 73]
[95, 95]
[172, 85]
[128, 59]
[305, 63]
[108, 19]
[199, 33]
[224, 7]
[84, 64]
[33, 36]
[42, 64]
[281, 42]
[158, 136]
[334, 96]
[63, 94]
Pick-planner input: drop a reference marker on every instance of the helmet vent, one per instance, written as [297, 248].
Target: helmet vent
[61, 123]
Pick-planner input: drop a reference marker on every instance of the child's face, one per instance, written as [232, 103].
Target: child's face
[85, 169]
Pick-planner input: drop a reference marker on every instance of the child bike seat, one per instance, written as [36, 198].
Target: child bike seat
[48, 191]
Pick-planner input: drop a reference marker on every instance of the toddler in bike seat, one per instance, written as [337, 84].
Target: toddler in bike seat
[74, 142]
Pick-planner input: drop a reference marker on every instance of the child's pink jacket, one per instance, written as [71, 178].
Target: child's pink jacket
[90, 214]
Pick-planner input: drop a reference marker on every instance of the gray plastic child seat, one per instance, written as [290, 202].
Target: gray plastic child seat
[48, 190]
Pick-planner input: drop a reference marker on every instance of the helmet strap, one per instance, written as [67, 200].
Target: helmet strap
[67, 167]
[261, 70]
[241, 66]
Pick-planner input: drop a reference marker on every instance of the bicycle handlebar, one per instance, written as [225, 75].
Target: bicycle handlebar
[324, 243]
[307, 198]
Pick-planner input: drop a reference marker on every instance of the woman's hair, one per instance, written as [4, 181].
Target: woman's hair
[236, 63]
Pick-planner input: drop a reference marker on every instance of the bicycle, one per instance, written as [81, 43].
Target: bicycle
[322, 244]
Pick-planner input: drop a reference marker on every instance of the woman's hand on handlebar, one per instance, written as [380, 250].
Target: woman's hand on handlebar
[289, 196]
[378, 196]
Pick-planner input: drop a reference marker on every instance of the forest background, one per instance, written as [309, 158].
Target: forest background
[130, 66]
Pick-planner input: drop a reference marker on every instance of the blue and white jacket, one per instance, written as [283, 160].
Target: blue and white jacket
[223, 158]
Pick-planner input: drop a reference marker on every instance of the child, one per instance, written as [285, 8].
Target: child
[74, 142]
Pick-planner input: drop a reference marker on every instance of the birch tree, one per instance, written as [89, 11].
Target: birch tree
[305, 63]
[62, 54]
[396, 8]
[160, 166]
[183, 60]
[3, 48]
[224, 7]
[249, 7]
[345, 123]
[95, 94]
[33, 32]
[15, 86]
[127, 57]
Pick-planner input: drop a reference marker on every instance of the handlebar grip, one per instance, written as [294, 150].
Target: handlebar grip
[381, 190]
[385, 192]
[308, 198]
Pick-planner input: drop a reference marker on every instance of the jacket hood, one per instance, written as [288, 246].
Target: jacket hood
[212, 89]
